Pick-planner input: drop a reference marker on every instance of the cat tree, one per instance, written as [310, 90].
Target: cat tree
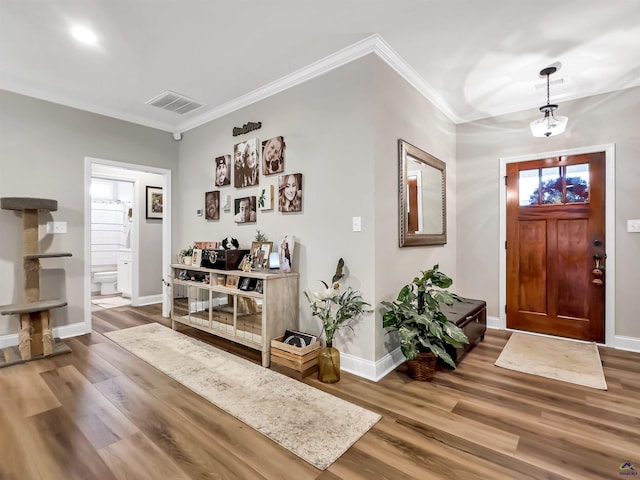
[35, 337]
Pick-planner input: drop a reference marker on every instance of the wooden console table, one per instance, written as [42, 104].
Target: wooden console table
[251, 317]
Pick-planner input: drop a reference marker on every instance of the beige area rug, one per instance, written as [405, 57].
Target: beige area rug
[564, 360]
[314, 425]
[111, 302]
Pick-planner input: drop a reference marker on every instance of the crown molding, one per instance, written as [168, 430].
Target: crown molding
[372, 44]
[85, 107]
[406, 71]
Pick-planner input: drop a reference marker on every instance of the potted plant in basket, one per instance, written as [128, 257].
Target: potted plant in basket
[423, 329]
[335, 308]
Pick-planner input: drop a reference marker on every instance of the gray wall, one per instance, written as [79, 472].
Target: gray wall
[341, 131]
[402, 112]
[603, 119]
[42, 152]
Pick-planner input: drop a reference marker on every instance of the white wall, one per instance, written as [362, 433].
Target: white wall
[42, 152]
[602, 119]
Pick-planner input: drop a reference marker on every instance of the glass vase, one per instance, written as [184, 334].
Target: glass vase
[329, 364]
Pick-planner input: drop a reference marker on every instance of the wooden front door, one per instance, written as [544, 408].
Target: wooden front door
[413, 222]
[556, 246]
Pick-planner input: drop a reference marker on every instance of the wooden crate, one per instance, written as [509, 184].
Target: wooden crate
[303, 360]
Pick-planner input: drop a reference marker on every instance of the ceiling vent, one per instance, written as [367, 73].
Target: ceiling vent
[174, 102]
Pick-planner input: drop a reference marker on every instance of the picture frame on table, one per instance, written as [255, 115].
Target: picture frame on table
[247, 284]
[197, 257]
[154, 203]
[260, 252]
[232, 281]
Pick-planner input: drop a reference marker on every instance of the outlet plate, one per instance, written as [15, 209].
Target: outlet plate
[633, 226]
[357, 224]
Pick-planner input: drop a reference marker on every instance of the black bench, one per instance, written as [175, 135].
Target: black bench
[471, 316]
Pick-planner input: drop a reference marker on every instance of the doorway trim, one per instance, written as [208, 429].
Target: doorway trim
[138, 210]
[610, 221]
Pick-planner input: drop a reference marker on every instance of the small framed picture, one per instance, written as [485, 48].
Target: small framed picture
[247, 284]
[197, 257]
[273, 156]
[223, 170]
[212, 205]
[245, 209]
[290, 193]
[265, 199]
[154, 202]
[259, 287]
[260, 252]
[232, 281]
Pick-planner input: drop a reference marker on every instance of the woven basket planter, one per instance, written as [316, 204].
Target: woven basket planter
[423, 367]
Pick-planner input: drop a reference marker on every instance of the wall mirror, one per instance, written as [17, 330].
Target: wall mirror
[422, 197]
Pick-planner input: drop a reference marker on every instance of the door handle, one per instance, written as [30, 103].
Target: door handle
[598, 271]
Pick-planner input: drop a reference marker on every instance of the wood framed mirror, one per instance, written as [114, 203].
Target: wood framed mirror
[421, 197]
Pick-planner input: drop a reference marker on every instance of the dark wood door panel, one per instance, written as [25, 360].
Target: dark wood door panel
[532, 291]
[551, 249]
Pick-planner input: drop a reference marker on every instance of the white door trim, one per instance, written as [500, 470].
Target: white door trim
[138, 211]
[610, 232]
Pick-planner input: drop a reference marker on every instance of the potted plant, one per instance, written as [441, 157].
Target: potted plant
[187, 255]
[335, 308]
[423, 329]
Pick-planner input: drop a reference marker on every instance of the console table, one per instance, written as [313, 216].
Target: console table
[249, 308]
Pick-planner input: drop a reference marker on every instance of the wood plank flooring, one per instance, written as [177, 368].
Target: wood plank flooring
[102, 413]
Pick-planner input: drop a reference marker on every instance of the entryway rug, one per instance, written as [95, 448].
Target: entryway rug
[314, 425]
[556, 358]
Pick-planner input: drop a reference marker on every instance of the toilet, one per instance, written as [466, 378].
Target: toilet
[107, 281]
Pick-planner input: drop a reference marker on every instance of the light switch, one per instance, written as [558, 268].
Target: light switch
[357, 224]
[56, 227]
[633, 226]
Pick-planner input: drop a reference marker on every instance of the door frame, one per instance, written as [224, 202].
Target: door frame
[610, 221]
[138, 211]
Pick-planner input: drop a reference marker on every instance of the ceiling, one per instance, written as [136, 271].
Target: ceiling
[472, 58]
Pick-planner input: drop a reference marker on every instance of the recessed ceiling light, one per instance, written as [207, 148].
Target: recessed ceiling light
[84, 35]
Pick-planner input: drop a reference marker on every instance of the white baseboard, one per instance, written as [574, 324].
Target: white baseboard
[148, 300]
[371, 370]
[66, 331]
[494, 322]
[631, 344]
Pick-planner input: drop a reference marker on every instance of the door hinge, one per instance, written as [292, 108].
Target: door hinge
[505, 244]
[505, 179]
[505, 309]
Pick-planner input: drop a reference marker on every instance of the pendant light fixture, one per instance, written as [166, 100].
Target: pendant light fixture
[549, 125]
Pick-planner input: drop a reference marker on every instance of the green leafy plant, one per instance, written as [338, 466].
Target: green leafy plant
[334, 307]
[260, 237]
[416, 316]
[187, 252]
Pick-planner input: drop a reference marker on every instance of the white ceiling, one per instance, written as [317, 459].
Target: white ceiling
[472, 58]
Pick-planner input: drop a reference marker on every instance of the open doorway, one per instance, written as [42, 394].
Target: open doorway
[112, 229]
[140, 248]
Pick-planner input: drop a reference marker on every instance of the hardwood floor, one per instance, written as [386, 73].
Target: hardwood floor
[101, 413]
